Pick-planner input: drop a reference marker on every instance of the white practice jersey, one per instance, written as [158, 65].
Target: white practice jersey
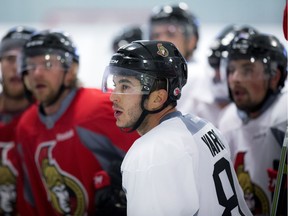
[198, 95]
[181, 168]
[197, 85]
[255, 147]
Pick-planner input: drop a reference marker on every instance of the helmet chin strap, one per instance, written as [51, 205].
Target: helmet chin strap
[145, 112]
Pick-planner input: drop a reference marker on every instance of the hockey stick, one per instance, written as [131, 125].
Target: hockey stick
[280, 174]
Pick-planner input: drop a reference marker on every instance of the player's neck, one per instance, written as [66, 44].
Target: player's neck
[53, 108]
[12, 105]
[253, 115]
[152, 120]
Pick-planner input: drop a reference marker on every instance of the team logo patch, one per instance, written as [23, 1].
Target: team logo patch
[67, 194]
[177, 91]
[8, 176]
[254, 195]
[162, 51]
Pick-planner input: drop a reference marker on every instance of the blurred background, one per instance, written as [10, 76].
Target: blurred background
[93, 24]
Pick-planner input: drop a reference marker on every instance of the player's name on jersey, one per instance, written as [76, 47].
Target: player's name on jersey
[213, 142]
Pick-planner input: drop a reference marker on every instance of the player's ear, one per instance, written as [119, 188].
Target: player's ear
[274, 80]
[157, 99]
[71, 75]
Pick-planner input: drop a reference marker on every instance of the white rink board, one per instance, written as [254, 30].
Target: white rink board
[94, 44]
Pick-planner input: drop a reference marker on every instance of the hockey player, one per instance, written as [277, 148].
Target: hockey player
[212, 108]
[180, 165]
[256, 121]
[177, 24]
[12, 105]
[69, 143]
[217, 49]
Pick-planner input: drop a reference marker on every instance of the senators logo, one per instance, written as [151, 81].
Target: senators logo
[255, 197]
[162, 51]
[66, 193]
[8, 175]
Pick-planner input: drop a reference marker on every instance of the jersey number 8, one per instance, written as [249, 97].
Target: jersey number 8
[232, 202]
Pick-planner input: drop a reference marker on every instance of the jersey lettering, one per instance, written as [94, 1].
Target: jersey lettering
[213, 142]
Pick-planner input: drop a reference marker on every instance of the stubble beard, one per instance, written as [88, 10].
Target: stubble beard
[12, 94]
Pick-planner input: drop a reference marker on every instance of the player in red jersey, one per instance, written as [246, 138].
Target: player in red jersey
[12, 104]
[69, 142]
[255, 122]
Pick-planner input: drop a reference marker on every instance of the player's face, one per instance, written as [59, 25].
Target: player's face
[45, 77]
[126, 98]
[170, 33]
[11, 82]
[248, 83]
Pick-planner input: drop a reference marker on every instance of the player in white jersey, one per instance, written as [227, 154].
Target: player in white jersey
[177, 24]
[181, 164]
[209, 98]
[256, 122]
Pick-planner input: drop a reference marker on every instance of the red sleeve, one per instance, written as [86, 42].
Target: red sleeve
[101, 119]
[285, 22]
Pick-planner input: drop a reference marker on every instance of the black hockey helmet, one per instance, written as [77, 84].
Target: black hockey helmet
[264, 47]
[15, 38]
[178, 14]
[126, 36]
[149, 61]
[220, 44]
[50, 42]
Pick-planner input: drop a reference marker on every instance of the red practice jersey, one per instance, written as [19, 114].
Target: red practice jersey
[62, 152]
[9, 165]
[285, 24]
